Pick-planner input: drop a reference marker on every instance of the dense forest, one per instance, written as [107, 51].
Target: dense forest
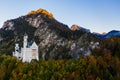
[104, 67]
[102, 64]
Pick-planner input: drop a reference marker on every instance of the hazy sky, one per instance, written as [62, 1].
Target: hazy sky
[96, 15]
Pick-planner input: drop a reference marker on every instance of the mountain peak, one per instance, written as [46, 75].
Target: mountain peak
[41, 11]
[74, 27]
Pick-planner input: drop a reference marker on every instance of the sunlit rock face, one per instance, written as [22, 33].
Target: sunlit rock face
[75, 27]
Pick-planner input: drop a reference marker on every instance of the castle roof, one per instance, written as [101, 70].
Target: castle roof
[25, 34]
[18, 51]
[30, 43]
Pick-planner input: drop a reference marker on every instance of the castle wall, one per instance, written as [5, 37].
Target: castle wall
[27, 57]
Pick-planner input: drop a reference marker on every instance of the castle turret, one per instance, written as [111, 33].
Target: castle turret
[16, 47]
[25, 40]
[17, 51]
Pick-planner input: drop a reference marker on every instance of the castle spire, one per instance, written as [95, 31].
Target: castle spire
[25, 40]
[25, 34]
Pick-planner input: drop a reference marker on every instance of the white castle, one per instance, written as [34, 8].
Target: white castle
[28, 52]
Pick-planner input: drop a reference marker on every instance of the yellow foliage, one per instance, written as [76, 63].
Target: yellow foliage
[32, 12]
[42, 11]
[2, 71]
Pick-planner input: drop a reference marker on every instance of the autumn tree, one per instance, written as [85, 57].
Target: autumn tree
[41, 11]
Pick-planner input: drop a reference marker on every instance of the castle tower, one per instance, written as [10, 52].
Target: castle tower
[17, 51]
[16, 47]
[25, 40]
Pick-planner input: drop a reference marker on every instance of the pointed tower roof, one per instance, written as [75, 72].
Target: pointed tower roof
[25, 34]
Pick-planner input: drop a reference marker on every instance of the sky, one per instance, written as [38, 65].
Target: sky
[96, 15]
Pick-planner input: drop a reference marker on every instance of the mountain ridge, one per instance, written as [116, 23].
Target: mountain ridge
[110, 34]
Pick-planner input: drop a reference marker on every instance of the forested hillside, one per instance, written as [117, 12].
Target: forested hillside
[87, 68]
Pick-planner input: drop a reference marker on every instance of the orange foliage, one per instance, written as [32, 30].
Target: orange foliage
[42, 11]
[31, 13]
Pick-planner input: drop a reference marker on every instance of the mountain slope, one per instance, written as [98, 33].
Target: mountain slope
[55, 39]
